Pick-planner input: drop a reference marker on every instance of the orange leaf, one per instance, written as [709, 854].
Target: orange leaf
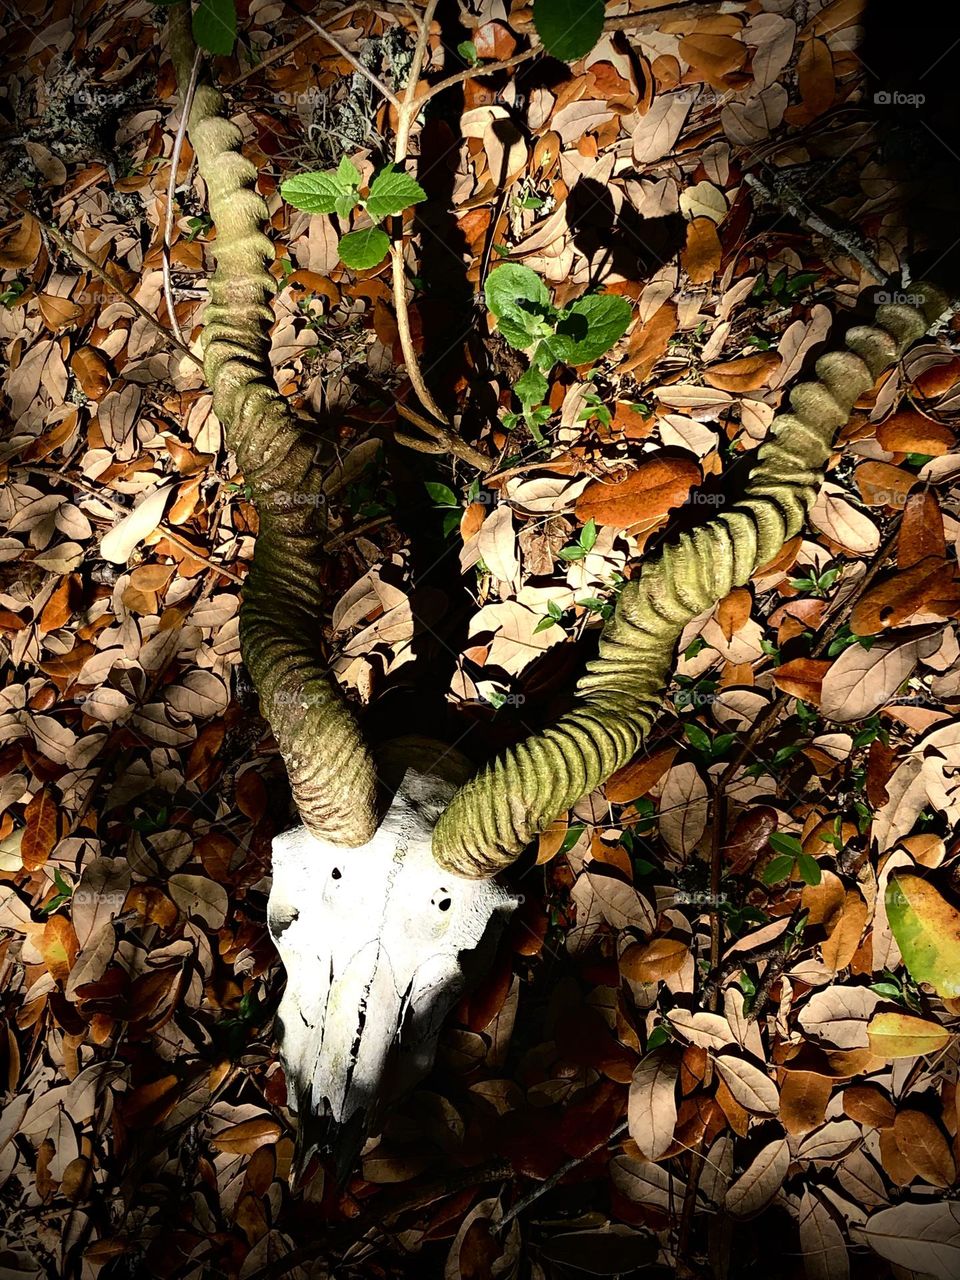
[869, 1106]
[91, 371]
[40, 835]
[921, 530]
[57, 312]
[713, 55]
[700, 257]
[815, 78]
[733, 611]
[636, 779]
[938, 378]
[650, 961]
[649, 342]
[747, 373]
[908, 431]
[802, 678]
[657, 485]
[244, 1138]
[20, 244]
[59, 947]
[883, 485]
[929, 586]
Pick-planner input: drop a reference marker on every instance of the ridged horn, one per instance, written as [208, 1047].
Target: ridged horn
[330, 768]
[495, 815]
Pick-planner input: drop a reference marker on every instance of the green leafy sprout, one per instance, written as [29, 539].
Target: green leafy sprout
[575, 335]
[338, 191]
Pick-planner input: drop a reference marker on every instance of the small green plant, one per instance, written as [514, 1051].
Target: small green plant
[816, 584]
[12, 292]
[338, 191]
[446, 503]
[577, 334]
[790, 857]
[584, 544]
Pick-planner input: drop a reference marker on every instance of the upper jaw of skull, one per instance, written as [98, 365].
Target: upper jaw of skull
[378, 943]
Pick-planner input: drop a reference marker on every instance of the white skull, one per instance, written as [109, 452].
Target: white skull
[378, 944]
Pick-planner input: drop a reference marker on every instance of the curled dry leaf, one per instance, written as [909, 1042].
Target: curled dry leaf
[118, 544]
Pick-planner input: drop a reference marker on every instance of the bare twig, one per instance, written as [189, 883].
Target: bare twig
[172, 194]
[549, 1183]
[480, 70]
[845, 238]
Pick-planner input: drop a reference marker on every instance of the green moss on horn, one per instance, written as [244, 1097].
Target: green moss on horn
[331, 771]
[496, 814]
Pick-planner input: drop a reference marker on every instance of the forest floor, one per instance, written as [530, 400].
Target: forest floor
[729, 171]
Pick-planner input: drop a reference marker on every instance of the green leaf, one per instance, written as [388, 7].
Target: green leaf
[888, 989]
[215, 25]
[590, 327]
[554, 610]
[519, 300]
[809, 869]
[319, 193]
[544, 623]
[348, 173]
[572, 553]
[391, 192]
[927, 929]
[364, 249]
[697, 737]
[777, 868]
[588, 535]
[442, 495]
[468, 52]
[568, 28]
[785, 844]
[531, 387]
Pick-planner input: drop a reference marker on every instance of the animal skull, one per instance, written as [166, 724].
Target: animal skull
[378, 943]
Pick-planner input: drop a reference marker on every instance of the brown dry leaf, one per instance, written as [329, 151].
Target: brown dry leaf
[652, 1102]
[747, 373]
[648, 342]
[921, 530]
[683, 806]
[803, 1101]
[824, 902]
[751, 1087]
[869, 1106]
[59, 947]
[822, 1241]
[841, 945]
[802, 678]
[815, 78]
[550, 841]
[248, 1136]
[653, 960]
[41, 818]
[119, 542]
[19, 244]
[924, 1146]
[749, 838]
[902, 1035]
[861, 680]
[883, 485]
[648, 493]
[715, 56]
[909, 431]
[640, 776]
[760, 1181]
[939, 378]
[57, 312]
[91, 370]
[701, 255]
[929, 586]
[733, 611]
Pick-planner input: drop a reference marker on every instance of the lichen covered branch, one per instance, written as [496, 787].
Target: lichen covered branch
[495, 815]
[330, 769]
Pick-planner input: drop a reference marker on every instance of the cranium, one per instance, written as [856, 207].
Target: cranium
[378, 943]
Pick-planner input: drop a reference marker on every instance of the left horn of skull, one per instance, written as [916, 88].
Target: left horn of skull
[378, 943]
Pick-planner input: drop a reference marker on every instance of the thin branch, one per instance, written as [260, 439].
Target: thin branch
[355, 62]
[480, 70]
[443, 440]
[549, 1183]
[172, 194]
[414, 372]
